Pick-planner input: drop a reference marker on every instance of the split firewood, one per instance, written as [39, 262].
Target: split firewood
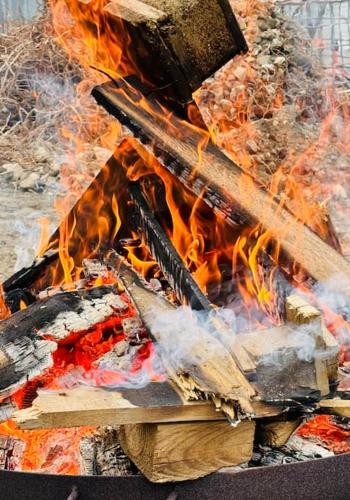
[178, 452]
[7, 408]
[296, 359]
[338, 406]
[26, 277]
[224, 186]
[29, 337]
[276, 433]
[206, 369]
[300, 312]
[176, 43]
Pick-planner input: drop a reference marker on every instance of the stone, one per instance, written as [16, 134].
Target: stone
[280, 60]
[41, 154]
[12, 171]
[30, 182]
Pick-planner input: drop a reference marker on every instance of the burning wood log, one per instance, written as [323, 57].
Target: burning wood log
[207, 370]
[297, 358]
[29, 337]
[25, 278]
[178, 452]
[179, 277]
[224, 186]
[176, 43]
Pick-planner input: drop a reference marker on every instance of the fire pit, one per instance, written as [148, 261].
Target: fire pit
[188, 315]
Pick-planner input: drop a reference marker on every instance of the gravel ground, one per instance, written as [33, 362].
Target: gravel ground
[20, 228]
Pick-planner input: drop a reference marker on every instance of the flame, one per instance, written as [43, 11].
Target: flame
[242, 260]
[206, 244]
[232, 265]
[4, 309]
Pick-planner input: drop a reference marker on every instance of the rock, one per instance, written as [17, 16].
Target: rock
[13, 171]
[252, 146]
[41, 154]
[339, 192]
[280, 60]
[30, 182]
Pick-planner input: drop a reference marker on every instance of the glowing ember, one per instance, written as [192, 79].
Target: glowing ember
[327, 430]
[55, 452]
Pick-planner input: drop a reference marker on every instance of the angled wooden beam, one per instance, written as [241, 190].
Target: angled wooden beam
[223, 185]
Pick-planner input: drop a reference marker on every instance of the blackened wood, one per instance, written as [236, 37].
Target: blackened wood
[225, 187]
[25, 277]
[102, 455]
[24, 352]
[168, 259]
[182, 281]
[11, 451]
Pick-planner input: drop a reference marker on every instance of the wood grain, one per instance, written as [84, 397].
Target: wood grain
[277, 433]
[178, 452]
[157, 402]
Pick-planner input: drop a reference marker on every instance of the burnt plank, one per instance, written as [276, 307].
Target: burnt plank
[224, 186]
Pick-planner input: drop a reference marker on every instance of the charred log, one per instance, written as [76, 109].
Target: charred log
[11, 451]
[29, 337]
[168, 259]
[102, 455]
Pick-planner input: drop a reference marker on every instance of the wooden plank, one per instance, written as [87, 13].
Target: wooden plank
[338, 406]
[178, 452]
[208, 369]
[157, 402]
[224, 186]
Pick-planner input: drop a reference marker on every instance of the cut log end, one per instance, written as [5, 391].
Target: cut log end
[179, 452]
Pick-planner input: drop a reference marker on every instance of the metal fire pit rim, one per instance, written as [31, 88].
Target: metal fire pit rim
[315, 479]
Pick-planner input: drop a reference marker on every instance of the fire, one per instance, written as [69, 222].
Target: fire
[220, 257]
[232, 265]
[55, 452]
[4, 310]
[327, 430]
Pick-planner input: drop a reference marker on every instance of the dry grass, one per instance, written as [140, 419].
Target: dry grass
[45, 102]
